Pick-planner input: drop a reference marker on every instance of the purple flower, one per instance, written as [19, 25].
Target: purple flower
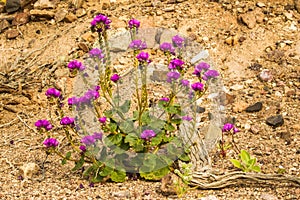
[71, 101]
[43, 123]
[138, 45]
[134, 23]
[75, 64]
[82, 148]
[167, 47]
[210, 74]
[100, 23]
[88, 140]
[235, 130]
[197, 86]
[97, 88]
[178, 41]
[172, 76]
[50, 142]
[52, 92]
[96, 53]
[227, 127]
[148, 134]
[143, 57]
[166, 99]
[185, 83]
[102, 120]
[97, 136]
[176, 64]
[187, 118]
[115, 78]
[67, 121]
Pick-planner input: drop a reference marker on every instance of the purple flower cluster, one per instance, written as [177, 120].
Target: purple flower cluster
[202, 66]
[167, 47]
[43, 123]
[115, 78]
[134, 23]
[228, 127]
[148, 134]
[67, 121]
[197, 86]
[96, 53]
[165, 99]
[51, 142]
[176, 64]
[91, 139]
[102, 120]
[138, 45]
[210, 74]
[75, 64]
[187, 118]
[100, 23]
[178, 41]
[185, 83]
[90, 95]
[172, 76]
[143, 57]
[52, 92]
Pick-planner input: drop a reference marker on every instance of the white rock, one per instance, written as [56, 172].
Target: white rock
[237, 87]
[260, 4]
[29, 169]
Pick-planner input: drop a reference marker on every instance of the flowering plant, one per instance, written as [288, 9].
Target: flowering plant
[112, 136]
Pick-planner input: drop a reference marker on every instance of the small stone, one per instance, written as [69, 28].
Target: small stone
[265, 75]
[288, 16]
[237, 87]
[12, 34]
[289, 92]
[21, 18]
[4, 24]
[88, 37]
[60, 14]
[249, 19]
[70, 18]
[239, 106]
[122, 194]
[169, 9]
[80, 12]
[275, 121]
[83, 47]
[254, 129]
[209, 197]
[265, 196]
[42, 14]
[255, 107]
[260, 4]
[44, 4]
[29, 169]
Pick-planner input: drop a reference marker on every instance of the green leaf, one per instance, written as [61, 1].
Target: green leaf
[245, 156]
[79, 164]
[127, 126]
[118, 176]
[251, 162]
[157, 139]
[169, 127]
[67, 157]
[155, 175]
[116, 139]
[126, 106]
[112, 127]
[88, 171]
[176, 121]
[106, 171]
[145, 118]
[184, 157]
[236, 163]
[156, 124]
[63, 161]
[174, 109]
[131, 139]
[256, 168]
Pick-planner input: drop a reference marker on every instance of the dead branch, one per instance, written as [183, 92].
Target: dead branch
[212, 181]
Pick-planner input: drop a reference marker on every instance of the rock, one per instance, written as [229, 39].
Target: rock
[88, 37]
[21, 18]
[275, 121]
[148, 35]
[169, 9]
[249, 19]
[254, 129]
[255, 107]
[158, 75]
[265, 75]
[288, 15]
[83, 47]
[297, 5]
[77, 3]
[260, 4]
[232, 40]
[80, 12]
[289, 92]
[60, 14]
[265, 196]
[70, 18]
[12, 34]
[122, 194]
[44, 4]
[29, 169]
[4, 24]
[168, 186]
[239, 106]
[42, 14]
[120, 41]
[237, 87]
[209, 197]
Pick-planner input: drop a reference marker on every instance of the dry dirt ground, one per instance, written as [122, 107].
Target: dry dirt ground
[244, 38]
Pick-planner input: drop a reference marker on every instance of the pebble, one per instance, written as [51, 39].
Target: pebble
[288, 15]
[4, 24]
[249, 19]
[239, 106]
[70, 18]
[275, 121]
[21, 18]
[254, 129]
[265, 75]
[83, 47]
[60, 14]
[42, 14]
[255, 107]
[232, 40]
[12, 34]
[122, 194]
[44, 4]
[210, 197]
[88, 37]
[260, 4]
[237, 87]
[80, 12]
[265, 196]
[289, 92]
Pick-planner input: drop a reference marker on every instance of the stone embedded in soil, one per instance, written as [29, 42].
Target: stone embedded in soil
[42, 14]
[275, 121]
[60, 14]
[254, 129]
[21, 18]
[252, 17]
[255, 107]
[4, 24]
[12, 34]
[80, 12]
[83, 47]
[44, 4]
[265, 75]
[70, 18]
